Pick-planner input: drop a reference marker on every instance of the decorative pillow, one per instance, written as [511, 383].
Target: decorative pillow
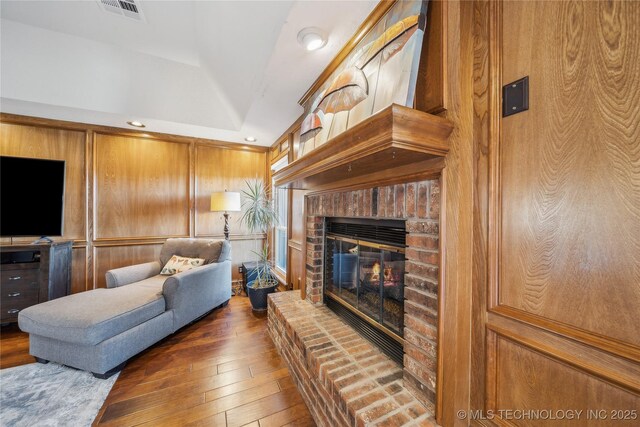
[178, 264]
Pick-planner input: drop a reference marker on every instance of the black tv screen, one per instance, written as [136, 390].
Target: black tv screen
[31, 196]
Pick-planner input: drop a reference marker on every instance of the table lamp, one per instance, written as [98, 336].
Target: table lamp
[225, 201]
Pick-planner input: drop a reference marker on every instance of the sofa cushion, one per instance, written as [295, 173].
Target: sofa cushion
[154, 282]
[178, 264]
[209, 249]
[93, 316]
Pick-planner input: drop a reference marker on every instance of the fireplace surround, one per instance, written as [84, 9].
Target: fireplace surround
[418, 205]
[343, 378]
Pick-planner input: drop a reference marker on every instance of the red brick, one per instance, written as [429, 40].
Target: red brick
[425, 376]
[336, 203]
[357, 391]
[434, 200]
[420, 327]
[332, 366]
[425, 257]
[421, 342]
[396, 420]
[421, 313]
[423, 298]
[421, 283]
[341, 371]
[427, 271]
[360, 205]
[410, 200]
[379, 410]
[423, 226]
[374, 201]
[366, 203]
[391, 202]
[422, 199]
[382, 202]
[400, 201]
[348, 380]
[403, 398]
[354, 378]
[394, 388]
[386, 379]
[416, 411]
[423, 241]
[420, 391]
[355, 405]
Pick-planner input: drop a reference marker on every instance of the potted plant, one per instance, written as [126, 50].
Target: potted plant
[259, 215]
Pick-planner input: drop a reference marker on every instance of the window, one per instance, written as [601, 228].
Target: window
[281, 200]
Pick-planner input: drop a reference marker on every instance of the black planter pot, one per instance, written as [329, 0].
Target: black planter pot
[258, 297]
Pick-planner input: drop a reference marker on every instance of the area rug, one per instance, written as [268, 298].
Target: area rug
[50, 395]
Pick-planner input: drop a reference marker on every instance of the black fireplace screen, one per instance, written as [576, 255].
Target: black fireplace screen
[367, 277]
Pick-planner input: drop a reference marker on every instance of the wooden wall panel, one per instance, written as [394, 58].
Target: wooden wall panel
[528, 380]
[556, 218]
[141, 187]
[108, 257]
[570, 167]
[242, 251]
[298, 221]
[217, 169]
[127, 190]
[59, 144]
[78, 270]
[295, 268]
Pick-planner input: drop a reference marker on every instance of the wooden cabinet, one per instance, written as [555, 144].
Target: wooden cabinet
[31, 274]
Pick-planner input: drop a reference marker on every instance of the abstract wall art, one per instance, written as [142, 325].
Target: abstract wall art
[380, 71]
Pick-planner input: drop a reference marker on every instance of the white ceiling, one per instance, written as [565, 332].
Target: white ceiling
[212, 69]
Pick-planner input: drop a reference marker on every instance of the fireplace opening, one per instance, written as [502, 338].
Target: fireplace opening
[364, 278]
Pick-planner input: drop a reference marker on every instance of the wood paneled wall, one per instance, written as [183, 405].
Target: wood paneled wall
[126, 192]
[556, 292]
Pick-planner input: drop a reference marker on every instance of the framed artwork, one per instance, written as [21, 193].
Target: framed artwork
[380, 71]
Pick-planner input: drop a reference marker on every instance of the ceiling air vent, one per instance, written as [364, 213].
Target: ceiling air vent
[128, 8]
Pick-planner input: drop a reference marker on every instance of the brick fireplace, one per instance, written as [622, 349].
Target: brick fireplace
[344, 378]
[418, 204]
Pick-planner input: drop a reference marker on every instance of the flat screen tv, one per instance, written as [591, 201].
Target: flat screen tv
[31, 197]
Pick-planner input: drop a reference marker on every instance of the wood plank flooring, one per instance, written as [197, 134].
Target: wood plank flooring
[221, 371]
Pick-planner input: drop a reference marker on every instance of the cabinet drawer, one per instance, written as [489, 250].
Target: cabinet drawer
[15, 279]
[11, 302]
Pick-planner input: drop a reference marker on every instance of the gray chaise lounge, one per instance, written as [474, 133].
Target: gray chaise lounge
[99, 330]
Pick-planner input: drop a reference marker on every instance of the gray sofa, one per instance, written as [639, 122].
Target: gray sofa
[99, 330]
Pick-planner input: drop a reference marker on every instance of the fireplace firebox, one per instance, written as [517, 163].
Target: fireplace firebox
[364, 278]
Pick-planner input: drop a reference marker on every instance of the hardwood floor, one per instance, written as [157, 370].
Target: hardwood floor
[14, 347]
[221, 371]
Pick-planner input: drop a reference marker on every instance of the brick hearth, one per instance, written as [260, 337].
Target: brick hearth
[344, 379]
[419, 205]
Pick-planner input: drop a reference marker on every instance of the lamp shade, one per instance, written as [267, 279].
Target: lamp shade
[225, 201]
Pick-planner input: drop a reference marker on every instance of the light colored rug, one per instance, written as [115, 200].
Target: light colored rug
[50, 395]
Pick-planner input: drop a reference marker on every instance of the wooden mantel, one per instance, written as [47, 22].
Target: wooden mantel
[397, 144]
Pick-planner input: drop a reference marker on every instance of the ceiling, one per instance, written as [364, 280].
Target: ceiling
[213, 69]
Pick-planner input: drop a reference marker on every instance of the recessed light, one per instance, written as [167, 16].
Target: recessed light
[250, 139]
[312, 38]
[136, 124]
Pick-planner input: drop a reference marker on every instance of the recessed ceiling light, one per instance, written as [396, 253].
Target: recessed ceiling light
[312, 38]
[250, 139]
[136, 124]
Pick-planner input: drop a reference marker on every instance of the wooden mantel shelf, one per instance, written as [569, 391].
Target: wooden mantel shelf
[397, 144]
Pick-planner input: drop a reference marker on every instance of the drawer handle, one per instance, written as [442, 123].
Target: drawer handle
[15, 278]
[13, 294]
[13, 311]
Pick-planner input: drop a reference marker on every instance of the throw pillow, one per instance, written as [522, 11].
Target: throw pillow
[178, 264]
